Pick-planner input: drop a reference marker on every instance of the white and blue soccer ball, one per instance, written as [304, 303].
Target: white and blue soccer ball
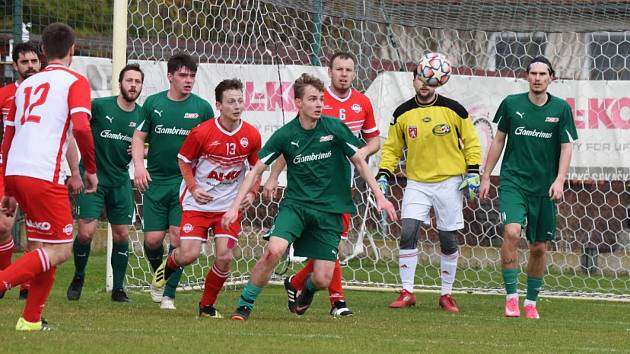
[434, 69]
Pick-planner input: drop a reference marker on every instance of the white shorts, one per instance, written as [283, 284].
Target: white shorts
[445, 198]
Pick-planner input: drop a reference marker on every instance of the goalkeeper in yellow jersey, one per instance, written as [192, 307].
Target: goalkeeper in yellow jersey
[443, 157]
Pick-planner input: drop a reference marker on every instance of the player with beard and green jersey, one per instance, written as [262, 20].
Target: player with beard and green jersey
[113, 123]
[317, 194]
[540, 130]
[167, 118]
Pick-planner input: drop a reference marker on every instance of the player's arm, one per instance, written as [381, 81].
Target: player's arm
[83, 136]
[365, 173]
[141, 177]
[248, 183]
[74, 183]
[8, 204]
[496, 148]
[392, 149]
[556, 191]
[472, 156]
[269, 190]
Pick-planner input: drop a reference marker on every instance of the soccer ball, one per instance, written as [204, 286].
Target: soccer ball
[434, 69]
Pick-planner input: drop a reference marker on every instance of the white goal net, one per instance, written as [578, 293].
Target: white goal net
[488, 44]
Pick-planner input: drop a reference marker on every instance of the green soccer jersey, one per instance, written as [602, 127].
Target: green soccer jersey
[534, 135]
[167, 124]
[317, 173]
[112, 129]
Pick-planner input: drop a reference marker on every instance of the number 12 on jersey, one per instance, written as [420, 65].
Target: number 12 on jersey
[42, 92]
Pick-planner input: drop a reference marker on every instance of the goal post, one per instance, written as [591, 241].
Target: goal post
[265, 42]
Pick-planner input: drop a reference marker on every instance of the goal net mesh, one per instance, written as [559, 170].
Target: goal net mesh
[586, 41]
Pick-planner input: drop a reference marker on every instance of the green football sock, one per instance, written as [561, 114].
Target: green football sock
[510, 279]
[81, 254]
[120, 259]
[173, 279]
[534, 284]
[249, 295]
[154, 256]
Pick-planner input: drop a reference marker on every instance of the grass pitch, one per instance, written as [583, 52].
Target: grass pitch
[96, 325]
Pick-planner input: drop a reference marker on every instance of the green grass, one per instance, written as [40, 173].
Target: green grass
[96, 325]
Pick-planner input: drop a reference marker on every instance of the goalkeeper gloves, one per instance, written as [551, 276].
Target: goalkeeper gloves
[383, 183]
[471, 180]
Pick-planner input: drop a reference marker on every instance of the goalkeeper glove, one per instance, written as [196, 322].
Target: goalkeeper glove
[471, 180]
[383, 183]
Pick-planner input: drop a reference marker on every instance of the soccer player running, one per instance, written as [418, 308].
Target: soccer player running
[113, 122]
[442, 146]
[166, 120]
[317, 194]
[540, 130]
[47, 106]
[355, 110]
[213, 161]
[25, 63]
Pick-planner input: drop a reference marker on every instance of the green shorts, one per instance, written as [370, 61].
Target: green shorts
[537, 214]
[117, 201]
[314, 234]
[161, 208]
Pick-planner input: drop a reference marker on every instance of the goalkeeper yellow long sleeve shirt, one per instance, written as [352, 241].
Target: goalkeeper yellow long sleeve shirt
[441, 141]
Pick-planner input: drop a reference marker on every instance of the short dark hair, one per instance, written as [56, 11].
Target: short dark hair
[543, 60]
[57, 39]
[228, 84]
[23, 48]
[181, 60]
[341, 55]
[306, 80]
[130, 67]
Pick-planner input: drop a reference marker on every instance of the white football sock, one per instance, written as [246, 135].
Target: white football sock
[529, 302]
[448, 268]
[407, 261]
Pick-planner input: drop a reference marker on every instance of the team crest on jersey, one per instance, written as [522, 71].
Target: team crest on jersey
[413, 131]
[191, 115]
[326, 138]
[187, 228]
[441, 129]
[356, 108]
[244, 142]
[426, 119]
[552, 119]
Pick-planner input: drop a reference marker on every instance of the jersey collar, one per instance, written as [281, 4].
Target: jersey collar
[332, 94]
[216, 121]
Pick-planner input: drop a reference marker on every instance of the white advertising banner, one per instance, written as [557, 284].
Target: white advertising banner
[601, 109]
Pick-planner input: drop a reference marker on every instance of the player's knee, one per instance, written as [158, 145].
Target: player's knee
[84, 238]
[272, 254]
[6, 225]
[511, 233]
[409, 234]
[152, 243]
[120, 236]
[5, 236]
[321, 279]
[187, 257]
[223, 260]
[537, 250]
[448, 242]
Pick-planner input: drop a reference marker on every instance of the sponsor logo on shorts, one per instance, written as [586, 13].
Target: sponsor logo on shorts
[356, 108]
[68, 229]
[441, 129]
[191, 115]
[326, 138]
[552, 119]
[413, 131]
[38, 225]
[187, 228]
[244, 142]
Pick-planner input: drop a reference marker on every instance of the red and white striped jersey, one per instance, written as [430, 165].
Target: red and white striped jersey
[355, 110]
[41, 117]
[7, 97]
[219, 162]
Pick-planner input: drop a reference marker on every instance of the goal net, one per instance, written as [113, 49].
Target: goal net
[268, 43]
